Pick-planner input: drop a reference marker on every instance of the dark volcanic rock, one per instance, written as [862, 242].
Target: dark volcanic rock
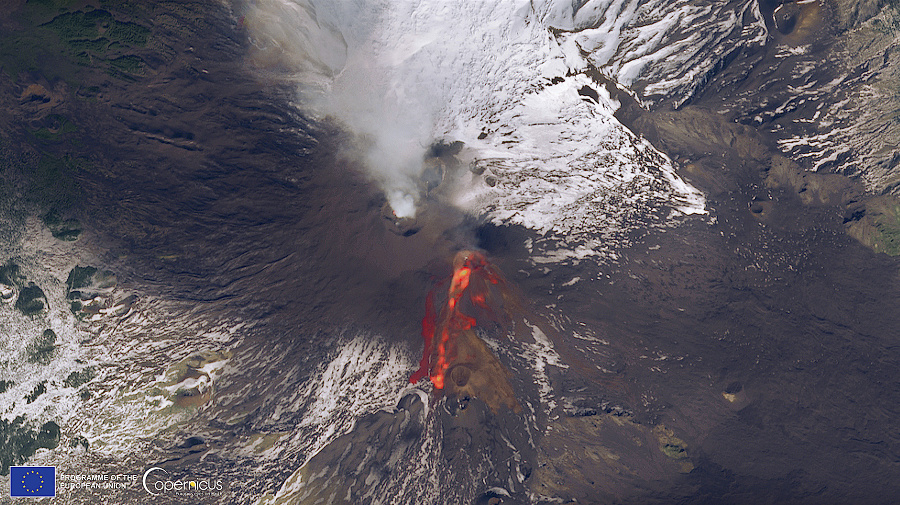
[79, 441]
[763, 339]
[480, 456]
[38, 390]
[11, 279]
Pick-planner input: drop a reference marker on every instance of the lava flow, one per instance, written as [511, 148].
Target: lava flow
[453, 351]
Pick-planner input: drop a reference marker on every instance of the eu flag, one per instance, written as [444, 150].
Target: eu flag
[32, 481]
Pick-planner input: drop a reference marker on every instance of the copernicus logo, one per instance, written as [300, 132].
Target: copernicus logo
[32, 481]
[155, 483]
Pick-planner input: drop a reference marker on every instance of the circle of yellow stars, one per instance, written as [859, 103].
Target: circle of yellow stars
[32, 472]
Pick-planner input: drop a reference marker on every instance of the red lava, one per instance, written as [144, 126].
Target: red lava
[470, 289]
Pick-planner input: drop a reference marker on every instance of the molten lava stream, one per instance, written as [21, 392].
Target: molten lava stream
[452, 349]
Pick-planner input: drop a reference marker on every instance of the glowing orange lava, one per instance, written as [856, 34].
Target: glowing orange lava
[469, 289]
[456, 358]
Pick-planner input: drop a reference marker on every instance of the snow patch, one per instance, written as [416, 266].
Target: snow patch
[366, 375]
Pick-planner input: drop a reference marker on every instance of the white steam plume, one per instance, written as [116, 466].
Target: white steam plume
[491, 74]
[379, 87]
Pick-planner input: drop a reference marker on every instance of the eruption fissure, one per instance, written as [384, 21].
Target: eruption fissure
[472, 276]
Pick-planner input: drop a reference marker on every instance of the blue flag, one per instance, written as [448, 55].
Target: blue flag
[32, 481]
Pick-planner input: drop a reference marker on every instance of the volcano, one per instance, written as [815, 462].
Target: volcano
[429, 252]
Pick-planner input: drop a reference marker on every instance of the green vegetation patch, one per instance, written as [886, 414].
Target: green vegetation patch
[64, 229]
[79, 377]
[98, 46]
[127, 34]
[79, 278]
[888, 227]
[53, 183]
[18, 441]
[80, 25]
[61, 47]
[883, 222]
[42, 349]
[57, 127]
[4, 385]
[87, 282]
[127, 65]
[31, 300]
[96, 29]
[93, 38]
[89, 93]
[674, 451]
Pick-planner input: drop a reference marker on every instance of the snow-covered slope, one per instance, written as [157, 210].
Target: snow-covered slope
[402, 74]
[660, 48]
